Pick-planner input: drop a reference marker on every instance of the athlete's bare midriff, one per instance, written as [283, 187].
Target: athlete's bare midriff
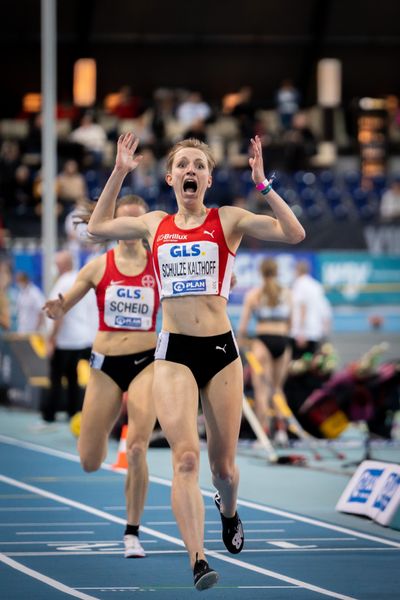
[195, 315]
[272, 328]
[115, 343]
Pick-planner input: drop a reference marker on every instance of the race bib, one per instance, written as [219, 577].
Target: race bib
[188, 269]
[128, 307]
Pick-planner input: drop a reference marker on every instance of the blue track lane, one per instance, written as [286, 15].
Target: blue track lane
[61, 537]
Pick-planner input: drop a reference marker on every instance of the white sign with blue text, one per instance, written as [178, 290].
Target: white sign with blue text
[374, 492]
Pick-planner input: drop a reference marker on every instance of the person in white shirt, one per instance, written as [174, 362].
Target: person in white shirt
[70, 340]
[29, 304]
[311, 312]
[390, 203]
[92, 137]
[193, 112]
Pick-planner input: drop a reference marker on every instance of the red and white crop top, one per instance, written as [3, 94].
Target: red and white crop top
[127, 303]
[192, 262]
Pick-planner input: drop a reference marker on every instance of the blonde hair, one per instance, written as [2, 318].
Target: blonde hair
[271, 290]
[84, 215]
[190, 143]
[131, 200]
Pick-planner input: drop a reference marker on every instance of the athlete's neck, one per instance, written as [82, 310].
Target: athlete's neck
[185, 214]
[131, 250]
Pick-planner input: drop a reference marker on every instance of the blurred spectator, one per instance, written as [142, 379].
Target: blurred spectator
[299, 143]
[146, 177]
[390, 203]
[128, 106]
[5, 309]
[76, 233]
[37, 187]
[32, 145]
[69, 341]
[163, 115]
[245, 112]
[70, 185]
[192, 115]
[23, 201]
[30, 300]
[19, 210]
[9, 161]
[311, 317]
[92, 137]
[287, 101]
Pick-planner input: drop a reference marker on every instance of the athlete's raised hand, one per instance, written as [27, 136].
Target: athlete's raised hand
[126, 159]
[256, 161]
[54, 309]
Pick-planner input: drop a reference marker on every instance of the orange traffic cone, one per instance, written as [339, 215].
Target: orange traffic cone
[122, 462]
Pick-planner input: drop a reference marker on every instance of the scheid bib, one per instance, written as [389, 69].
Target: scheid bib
[192, 261]
[127, 302]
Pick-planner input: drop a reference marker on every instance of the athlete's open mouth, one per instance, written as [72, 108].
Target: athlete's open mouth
[190, 185]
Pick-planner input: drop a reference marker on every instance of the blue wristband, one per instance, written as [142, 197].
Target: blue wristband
[266, 190]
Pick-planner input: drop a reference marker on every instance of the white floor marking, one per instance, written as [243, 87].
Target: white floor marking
[291, 546]
[206, 493]
[52, 532]
[251, 530]
[33, 509]
[174, 540]
[248, 521]
[245, 551]
[268, 587]
[55, 524]
[44, 579]
[164, 507]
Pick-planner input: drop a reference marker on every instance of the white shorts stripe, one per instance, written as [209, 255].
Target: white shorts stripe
[162, 345]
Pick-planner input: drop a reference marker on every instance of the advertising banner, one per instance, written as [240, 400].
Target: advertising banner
[352, 278]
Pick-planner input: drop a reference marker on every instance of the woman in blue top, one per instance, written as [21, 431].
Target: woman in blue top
[271, 306]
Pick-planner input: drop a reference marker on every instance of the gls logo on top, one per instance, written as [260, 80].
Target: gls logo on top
[182, 287]
[131, 293]
[185, 250]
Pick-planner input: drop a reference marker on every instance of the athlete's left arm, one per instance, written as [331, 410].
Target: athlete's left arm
[282, 227]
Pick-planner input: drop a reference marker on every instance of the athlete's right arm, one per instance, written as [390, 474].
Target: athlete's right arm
[102, 224]
[85, 280]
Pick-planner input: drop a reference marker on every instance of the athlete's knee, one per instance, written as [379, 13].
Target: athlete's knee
[90, 463]
[224, 471]
[187, 462]
[136, 452]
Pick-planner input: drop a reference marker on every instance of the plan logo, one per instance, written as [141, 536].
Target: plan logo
[132, 322]
[188, 287]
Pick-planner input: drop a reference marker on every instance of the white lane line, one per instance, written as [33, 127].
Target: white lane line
[120, 588]
[267, 587]
[248, 521]
[163, 507]
[251, 530]
[174, 540]
[245, 551]
[44, 579]
[33, 509]
[63, 542]
[291, 546]
[52, 532]
[55, 524]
